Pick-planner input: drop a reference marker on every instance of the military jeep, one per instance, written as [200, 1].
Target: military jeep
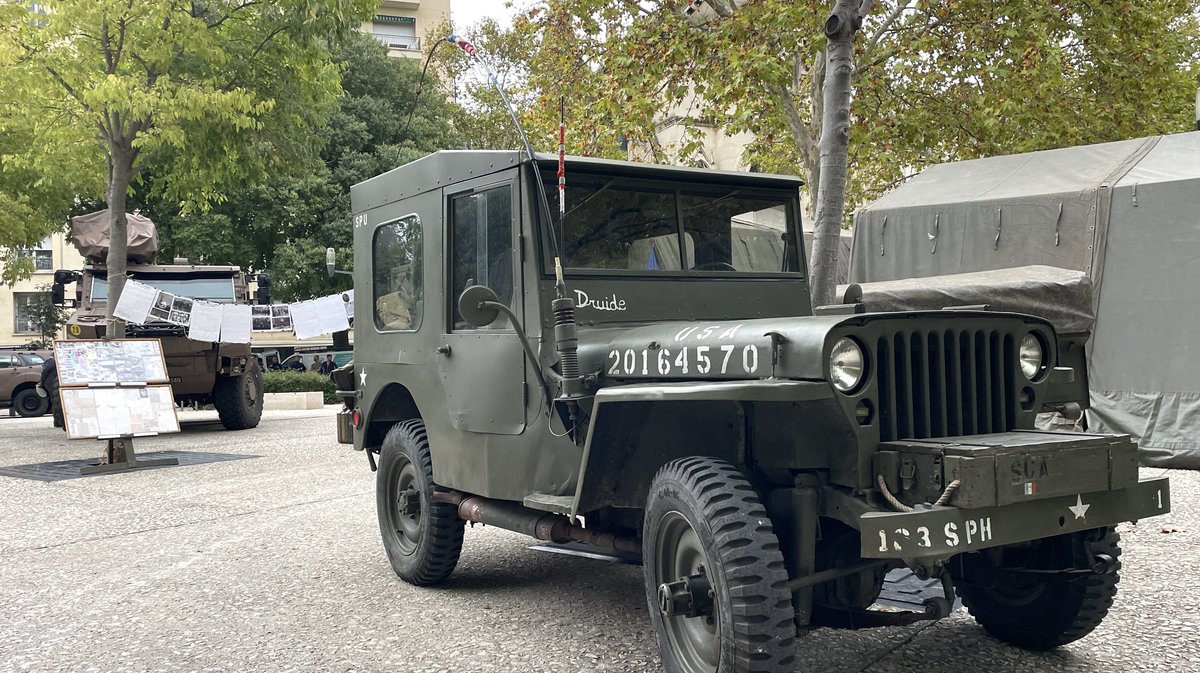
[674, 395]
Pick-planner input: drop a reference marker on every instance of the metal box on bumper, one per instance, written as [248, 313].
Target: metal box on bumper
[1007, 467]
[1013, 487]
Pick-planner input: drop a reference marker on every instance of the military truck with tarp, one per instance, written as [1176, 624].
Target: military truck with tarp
[673, 395]
[222, 374]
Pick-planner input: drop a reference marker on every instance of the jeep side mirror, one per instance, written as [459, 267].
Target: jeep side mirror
[472, 305]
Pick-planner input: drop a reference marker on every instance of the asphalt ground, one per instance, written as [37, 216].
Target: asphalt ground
[274, 564]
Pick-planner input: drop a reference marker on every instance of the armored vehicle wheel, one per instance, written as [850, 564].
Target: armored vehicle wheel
[51, 388]
[422, 538]
[715, 579]
[239, 399]
[1042, 615]
[28, 404]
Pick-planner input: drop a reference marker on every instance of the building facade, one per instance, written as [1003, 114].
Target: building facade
[403, 25]
[17, 325]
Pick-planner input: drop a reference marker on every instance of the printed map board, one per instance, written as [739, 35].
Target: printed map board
[85, 361]
[119, 412]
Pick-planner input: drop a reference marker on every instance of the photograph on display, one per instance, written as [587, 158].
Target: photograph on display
[162, 306]
[260, 317]
[181, 311]
[83, 361]
[281, 318]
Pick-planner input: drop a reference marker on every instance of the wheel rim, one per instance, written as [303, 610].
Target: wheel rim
[678, 553]
[407, 525]
[30, 403]
[251, 389]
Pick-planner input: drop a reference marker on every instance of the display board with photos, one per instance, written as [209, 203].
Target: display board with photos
[119, 412]
[81, 362]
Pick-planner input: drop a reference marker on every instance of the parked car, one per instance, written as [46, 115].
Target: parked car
[339, 358]
[20, 372]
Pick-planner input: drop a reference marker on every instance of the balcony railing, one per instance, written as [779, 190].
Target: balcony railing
[400, 42]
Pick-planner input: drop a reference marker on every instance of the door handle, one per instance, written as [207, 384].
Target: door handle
[444, 349]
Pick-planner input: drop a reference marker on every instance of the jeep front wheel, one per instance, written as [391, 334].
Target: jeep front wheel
[422, 538]
[239, 399]
[1046, 609]
[715, 579]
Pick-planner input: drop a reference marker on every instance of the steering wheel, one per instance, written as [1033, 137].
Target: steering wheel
[714, 266]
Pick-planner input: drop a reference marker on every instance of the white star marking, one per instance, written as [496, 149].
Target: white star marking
[362, 377]
[1079, 509]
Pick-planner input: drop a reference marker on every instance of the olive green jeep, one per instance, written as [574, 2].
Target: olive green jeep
[674, 395]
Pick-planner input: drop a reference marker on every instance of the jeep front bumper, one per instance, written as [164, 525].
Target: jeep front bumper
[946, 531]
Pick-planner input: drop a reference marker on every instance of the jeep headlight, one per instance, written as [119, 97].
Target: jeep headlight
[1032, 356]
[847, 363]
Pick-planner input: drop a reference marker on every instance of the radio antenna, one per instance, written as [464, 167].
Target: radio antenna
[559, 284]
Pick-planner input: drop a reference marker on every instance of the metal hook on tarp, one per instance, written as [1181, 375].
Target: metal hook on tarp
[882, 232]
[933, 237]
[999, 225]
[1058, 224]
[1134, 194]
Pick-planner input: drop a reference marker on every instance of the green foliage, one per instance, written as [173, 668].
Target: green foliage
[932, 82]
[284, 224]
[300, 382]
[206, 95]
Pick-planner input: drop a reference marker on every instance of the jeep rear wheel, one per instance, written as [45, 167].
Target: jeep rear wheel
[715, 580]
[423, 538]
[29, 404]
[239, 399]
[1044, 614]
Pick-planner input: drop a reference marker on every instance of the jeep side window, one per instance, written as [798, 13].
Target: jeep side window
[6, 361]
[396, 257]
[481, 237]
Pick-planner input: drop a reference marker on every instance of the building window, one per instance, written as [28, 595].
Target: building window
[396, 34]
[25, 310]
[397, 268]
[42, 255]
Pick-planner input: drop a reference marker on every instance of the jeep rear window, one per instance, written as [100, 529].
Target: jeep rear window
[618, 225]
[218, 290]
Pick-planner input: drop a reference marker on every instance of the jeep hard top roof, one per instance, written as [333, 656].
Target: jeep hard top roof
[446, 167]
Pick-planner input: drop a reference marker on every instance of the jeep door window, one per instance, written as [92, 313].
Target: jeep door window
[732, 232]
[482, 242]
[397, 263]
[219, 290]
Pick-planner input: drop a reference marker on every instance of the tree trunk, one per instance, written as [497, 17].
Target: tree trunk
[120, 173]
[840, 27]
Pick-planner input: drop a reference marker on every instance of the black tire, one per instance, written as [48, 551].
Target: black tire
[51, 388]
[28, 403]
[423, 546]
[239, 399]
[703, 512]
[1056, 611]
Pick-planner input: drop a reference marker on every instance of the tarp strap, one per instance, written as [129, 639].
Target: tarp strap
[1058, 224]
[882, 232]
[937, 218]
[999, 224]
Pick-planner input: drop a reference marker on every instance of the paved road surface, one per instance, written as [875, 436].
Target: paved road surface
[274, 564]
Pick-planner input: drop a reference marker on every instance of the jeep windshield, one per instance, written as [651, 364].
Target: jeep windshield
[627, 226]
[219, 290]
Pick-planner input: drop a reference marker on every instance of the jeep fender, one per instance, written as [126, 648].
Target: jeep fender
[636, 429]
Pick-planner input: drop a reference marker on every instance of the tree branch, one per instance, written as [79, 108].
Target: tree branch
[884, 27]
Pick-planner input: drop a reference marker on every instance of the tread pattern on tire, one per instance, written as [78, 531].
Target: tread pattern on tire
[1083, 603]
[227, 398]
[441, 544]
[764, 630]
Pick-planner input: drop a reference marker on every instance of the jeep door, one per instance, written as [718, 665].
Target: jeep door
[483, 368]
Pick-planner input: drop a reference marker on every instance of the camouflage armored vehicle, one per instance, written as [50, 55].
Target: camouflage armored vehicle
[223, 374]
[676, 396]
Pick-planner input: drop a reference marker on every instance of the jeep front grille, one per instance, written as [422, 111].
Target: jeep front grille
[945, 383]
